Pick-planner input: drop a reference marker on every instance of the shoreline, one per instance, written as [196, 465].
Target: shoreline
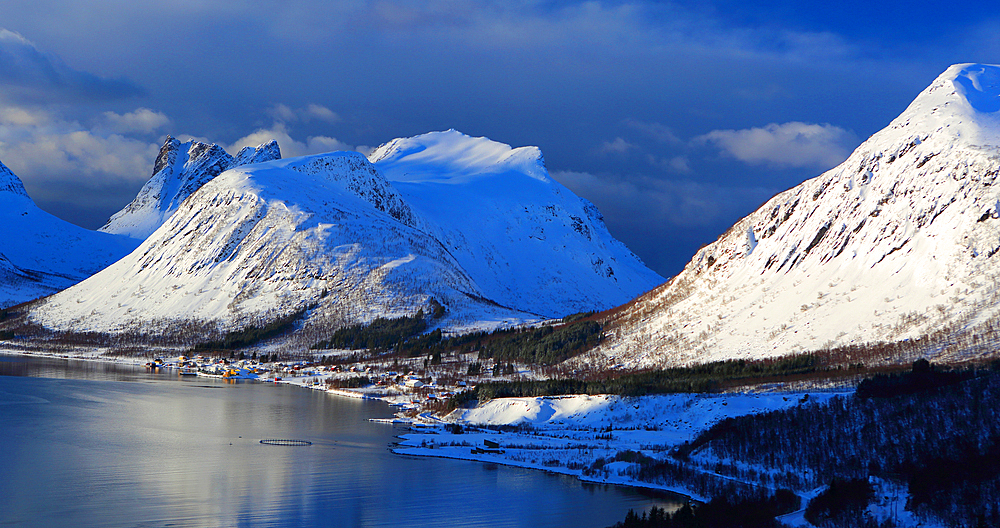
[559, 435]
[638, 484]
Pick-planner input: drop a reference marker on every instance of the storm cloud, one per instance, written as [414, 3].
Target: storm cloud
[29, 75]
[675, 118]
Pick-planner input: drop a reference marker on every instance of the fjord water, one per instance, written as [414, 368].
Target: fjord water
[97, 444]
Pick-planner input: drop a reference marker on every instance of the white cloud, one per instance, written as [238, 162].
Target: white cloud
[618, 146]
[792, 144]
[322, 113]
[282, 112]
[290, 147]
[43, 148]
[142, 120]
[365, 149]
[16, 116]
[312, 112]
[678, 164]
[657, 131]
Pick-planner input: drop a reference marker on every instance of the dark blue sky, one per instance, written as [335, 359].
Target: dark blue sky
[675, 118]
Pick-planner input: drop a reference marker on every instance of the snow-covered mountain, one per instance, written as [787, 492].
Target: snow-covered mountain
[332, 234]
[898, 242]
[41, 254]
[526, 240]
[180, 169]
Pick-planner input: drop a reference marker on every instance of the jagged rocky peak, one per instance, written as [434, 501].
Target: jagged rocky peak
[264, 152]
[180, 170]
[10, 183]
[898, 242]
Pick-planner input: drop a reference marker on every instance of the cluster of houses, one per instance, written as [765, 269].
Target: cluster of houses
[221, 367]
[383, 382]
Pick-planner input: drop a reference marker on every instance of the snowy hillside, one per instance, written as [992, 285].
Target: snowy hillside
[899, 241]
[490, 237]
[41, 254]
[526, 240]
[180, 169]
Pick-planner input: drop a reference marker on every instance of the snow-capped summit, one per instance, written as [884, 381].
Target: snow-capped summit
[179, 170]
[522, 236]
[453, 157]
[962, 104]
[352, 171]
[492, 239]
[898, 242]
[41, 254]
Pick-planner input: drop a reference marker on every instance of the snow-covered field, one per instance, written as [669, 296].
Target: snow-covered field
[567, 434]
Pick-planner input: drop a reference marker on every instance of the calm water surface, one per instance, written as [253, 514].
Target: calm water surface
[93, 444]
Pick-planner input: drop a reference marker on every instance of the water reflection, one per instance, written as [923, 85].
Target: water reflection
[90, 444]
[61, 368]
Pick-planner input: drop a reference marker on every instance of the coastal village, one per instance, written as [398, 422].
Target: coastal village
[400, 384]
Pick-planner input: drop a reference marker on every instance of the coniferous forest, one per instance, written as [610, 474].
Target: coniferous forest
[935, 432]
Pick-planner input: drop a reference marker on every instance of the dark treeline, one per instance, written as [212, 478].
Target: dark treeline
[544, 345]
[378, 336]
[754, 511]
[842, 503]
[700, 378]
[251, 334]
[970, 475]
[352, 382]
[922, 377]
[938, 439]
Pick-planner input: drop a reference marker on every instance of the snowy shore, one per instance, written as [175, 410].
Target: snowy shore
[596, 438]
[578, 434]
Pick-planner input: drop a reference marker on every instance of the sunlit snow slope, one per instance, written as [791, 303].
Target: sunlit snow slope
[898, 242]
[329, 234]
[525, 239]
[41, 254]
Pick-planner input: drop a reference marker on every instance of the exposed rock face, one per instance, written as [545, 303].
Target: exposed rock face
[11, 184]
[180, 170]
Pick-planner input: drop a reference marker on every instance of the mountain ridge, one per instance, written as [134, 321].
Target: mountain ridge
[332, 238]
[891, 245]
[45, 254]
[483, 198]
[180, 169]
